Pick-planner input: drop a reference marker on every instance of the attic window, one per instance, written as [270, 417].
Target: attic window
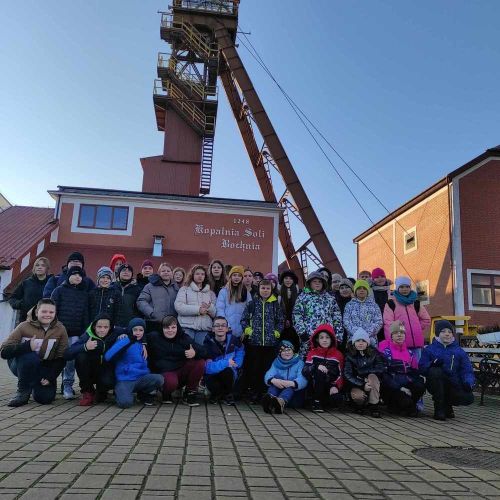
[410, 240]
[103, 217]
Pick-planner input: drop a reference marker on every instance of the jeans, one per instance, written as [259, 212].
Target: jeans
[286, 394]
[27, 368]
[197, 336]
[444, 393]
[221, 384]
[92, 372]
[69, 367]
[189, 374]
[147, 384]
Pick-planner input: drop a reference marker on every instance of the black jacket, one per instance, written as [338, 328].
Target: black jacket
[59, 279]
[358, 367]
[141, 280]
[166, 355]
[104, 300]
[129, 294]
[72, 305]
[27, 294]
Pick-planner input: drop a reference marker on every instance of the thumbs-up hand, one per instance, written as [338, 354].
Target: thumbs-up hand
[90, 345]
[190, 353]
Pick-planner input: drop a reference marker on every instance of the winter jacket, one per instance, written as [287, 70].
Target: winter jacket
[27, 294]
[72, 305]
[313, 309]
[415, 323]
[104, 300]
[330, 357]
[402, 367]
[381, 293]
[187, 305]
[218, 355]
[232, 311]
[54, 281]
[129, 293]
[363, 314]
[288, 303]
[166, 355]
[262, 321]
[141, 281]
[293, 372]
[357, 367]
[129, 359]
[452, 359]
[157, 299]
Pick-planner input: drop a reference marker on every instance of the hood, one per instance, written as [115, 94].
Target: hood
[91, 328]
[316, 274]
[157, 281]
[195, 288]
[31, 317]
[323, 328]
[329, 279]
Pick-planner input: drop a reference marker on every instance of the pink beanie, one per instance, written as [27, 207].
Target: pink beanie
[378, 273]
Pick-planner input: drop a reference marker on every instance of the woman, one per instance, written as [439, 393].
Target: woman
[216, 276]
[195, 305]
[27, 294]
[289, 291]
[179, 276]
[232, 300]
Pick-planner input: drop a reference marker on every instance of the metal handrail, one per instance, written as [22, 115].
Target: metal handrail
[222, 6]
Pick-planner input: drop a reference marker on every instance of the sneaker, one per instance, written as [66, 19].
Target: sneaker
[266, 403]
[374, 411]
[189, 398]
[317, 407]
[19, 399]
[279, 405]
[449, 412]
[100, 396]
[439, 415]
[148, 399]
[68, 392]
[213, 400]
[229, 400]
[167, 399]
[86, 399]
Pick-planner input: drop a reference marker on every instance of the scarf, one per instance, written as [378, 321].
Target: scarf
[407, 300]
[281, 364]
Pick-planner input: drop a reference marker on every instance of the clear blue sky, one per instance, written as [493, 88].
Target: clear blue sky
[407, 91]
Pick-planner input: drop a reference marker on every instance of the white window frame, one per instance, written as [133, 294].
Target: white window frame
[75, 228]
[428, 301]
[470, 272]
[405, 233]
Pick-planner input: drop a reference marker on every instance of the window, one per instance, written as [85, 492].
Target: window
[410, 240]
[485, 289]
[103, 217]
[423, 292]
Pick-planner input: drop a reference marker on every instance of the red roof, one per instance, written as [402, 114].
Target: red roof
[20, 229]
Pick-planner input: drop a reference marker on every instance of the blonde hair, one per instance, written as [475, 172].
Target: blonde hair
[45, 261]
[190, 276]
[166, 264]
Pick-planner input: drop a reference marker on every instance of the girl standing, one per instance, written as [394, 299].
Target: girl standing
[216, 276]
[289, 292]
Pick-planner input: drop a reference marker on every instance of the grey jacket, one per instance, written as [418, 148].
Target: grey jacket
[157, 299]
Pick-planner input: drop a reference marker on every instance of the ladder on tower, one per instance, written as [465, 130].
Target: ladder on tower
[207, 153]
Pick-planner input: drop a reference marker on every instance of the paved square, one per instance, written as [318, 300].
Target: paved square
[71, 452]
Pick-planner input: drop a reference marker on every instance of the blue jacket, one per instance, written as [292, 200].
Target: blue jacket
[130, 363]
[453, 360]
[232, 311]
[294, 372]
[219, 357]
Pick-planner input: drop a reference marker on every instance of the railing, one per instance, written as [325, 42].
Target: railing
[221, 6]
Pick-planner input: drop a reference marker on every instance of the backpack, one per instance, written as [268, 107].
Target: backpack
[392, 305]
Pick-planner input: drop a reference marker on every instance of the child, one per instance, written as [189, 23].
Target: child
[381, 288]
[217, 276]
[284, 379]
[105, 298]
[363, 312]
[448, 371]
[402, 386]
[262, 322]
[95, 375]
[232, 300]
[179, 276]
[225, 355]
[289, 292]
[274, 282]
[323, 368]
[34, 353]
[72, 303]
[363, 367]
[131, 368]
[116, 262]
[365, 275]
[147, 270]
[177, 359]
[129, 292]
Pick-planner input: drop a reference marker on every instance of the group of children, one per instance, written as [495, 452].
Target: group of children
[237, 335]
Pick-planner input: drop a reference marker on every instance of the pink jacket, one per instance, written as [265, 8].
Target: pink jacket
[415, 324]
[398, 352]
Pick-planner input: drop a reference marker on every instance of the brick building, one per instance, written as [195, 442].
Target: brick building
[447, 239]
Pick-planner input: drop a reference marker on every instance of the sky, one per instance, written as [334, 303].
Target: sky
[405, 91]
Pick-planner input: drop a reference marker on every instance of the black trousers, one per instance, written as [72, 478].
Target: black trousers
[220, 384]
[320, 384]
[444, 393]
[92, 372]
[398, 400]
[258, 360]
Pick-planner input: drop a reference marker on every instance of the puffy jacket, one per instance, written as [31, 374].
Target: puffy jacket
[166, 355]
[415, 324]
[292, 372]
[105, 300]
[129, 293]
[363, 314]
[157, 299]
[129, 359]
[357, 367]
[72, 305]
[402, 366]
[232, 311]
[187, 305]
[27, 294]
[330, 357]
[262, 321]
[453, 360]
[218, 355]
[313, 309]
[54, 281]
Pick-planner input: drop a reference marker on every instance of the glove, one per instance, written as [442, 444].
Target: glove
[437, 362]
[248, 331]
[277, 334]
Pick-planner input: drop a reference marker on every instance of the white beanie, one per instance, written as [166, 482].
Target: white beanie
[402, 280]
[360, 334]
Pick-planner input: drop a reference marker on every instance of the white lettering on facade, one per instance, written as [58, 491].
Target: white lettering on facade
[225, 242]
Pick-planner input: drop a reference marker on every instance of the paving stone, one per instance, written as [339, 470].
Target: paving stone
[88, 481]
[161, 483]
[19, 480]
[120, 494]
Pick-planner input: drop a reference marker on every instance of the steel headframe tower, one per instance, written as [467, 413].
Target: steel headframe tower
[202, 36]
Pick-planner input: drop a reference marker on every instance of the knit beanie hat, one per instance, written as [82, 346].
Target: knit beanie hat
[402, 280]
[378, 272]
[115, 258]
[236, 269]
[360, 334]
[286, 344]
[441, 325]
[76, 270]
[319, 276]
[147, 262]
[336, 277]
[361, 284]
[396, 326]
[136, 322]
[288, 274]
[104, 271]
[347, 282]
[271, 277]
[76, 256]
[259, 274]
[124, 266]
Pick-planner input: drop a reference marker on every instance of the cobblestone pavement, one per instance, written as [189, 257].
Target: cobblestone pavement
[71, 452]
